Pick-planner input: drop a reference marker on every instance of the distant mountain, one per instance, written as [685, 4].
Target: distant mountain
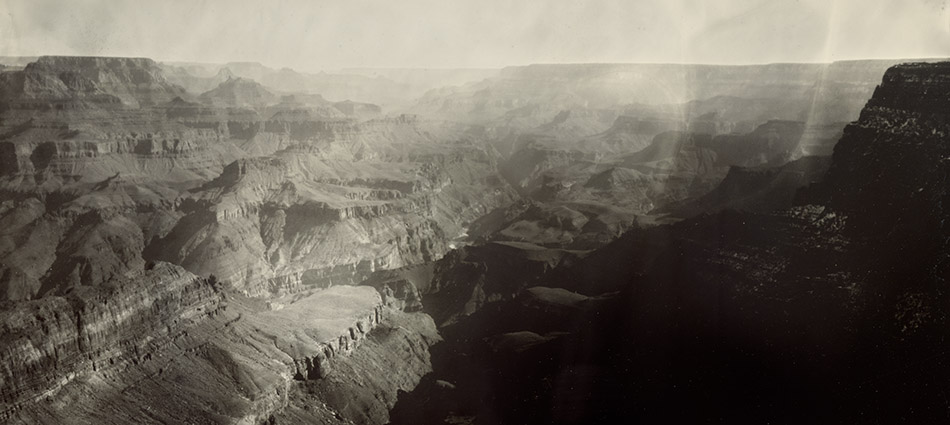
[740, 95]
[132, 82]
[196, 79]
[336, 87]
[425, 79]
[239, 92]
[356, 109]
[17, 62]
[393, 88]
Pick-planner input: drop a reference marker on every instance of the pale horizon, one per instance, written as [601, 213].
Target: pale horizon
[478, 35]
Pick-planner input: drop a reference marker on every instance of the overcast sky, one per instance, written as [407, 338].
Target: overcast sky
[314, 35]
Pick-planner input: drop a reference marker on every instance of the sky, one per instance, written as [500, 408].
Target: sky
[313, 35]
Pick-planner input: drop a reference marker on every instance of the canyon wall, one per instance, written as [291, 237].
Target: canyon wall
[830, 310]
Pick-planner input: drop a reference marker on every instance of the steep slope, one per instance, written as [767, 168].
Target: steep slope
[756, 189]
[867, 253]
[90, 191]
[171, 347]
[672, 168]
[829, 311]
[312, 216]
[292, 197]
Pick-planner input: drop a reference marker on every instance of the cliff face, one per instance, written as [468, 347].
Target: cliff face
[656, 170]
[894, 158]
[849, 282]
[133, 82]
[756, 189]
[272, 197]
[311, 197]
[171, 347]
[468, 279]
[168, 260]
[831, 310]
[340, 201]
[307, 220]
[54, 342]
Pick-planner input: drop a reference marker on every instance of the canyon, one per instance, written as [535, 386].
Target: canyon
[236, 244]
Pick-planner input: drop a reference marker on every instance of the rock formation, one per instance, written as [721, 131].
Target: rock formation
[832, 309]
[132, 82]
[89, 198]
[168, 346]
[174, 257]
[238, 92]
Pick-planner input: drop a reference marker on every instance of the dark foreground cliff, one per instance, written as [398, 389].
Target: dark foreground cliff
[833, 310]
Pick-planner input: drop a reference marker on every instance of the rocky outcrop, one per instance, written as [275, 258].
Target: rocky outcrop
[756, 189]
[93, 193]
[57, 80]
[171, 347]
[672, 168]
[631, 133]
[290, 241]
[571, 225]
[772, 143]
[238, 92]
[176, 155]
[675, 166]
[333, 210]
[363, 387]
[357, 109]
[832, 309]
[49, 344]
[337, 321]
[58, 241]
[196, 78]
[286, 202]
[468, 279]
[893, 159]
[524, 168]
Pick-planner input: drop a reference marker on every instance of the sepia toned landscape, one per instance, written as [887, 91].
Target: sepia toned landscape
[187, 240]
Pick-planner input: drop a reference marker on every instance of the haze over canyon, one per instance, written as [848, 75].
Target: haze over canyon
[215, 242]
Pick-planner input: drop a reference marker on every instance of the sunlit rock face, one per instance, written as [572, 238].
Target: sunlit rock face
[314, 216]
[273, 195]
[174, 347]
[137, 218]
